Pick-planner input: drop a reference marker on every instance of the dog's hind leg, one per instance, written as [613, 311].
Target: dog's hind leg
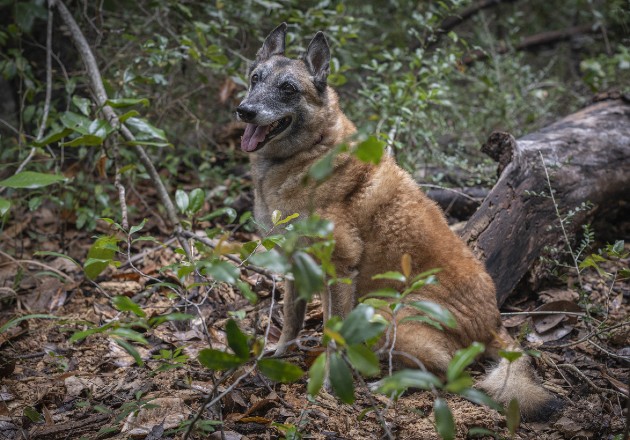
[294, 311]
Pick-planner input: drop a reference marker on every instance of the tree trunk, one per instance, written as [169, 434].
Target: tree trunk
[587, 157]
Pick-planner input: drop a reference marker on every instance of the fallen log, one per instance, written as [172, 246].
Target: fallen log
[459, 203]
[587, 158]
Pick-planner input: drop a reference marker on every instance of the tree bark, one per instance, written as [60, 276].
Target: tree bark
[587, 158]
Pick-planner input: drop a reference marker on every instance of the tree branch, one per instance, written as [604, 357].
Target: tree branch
[96, 83]
[42, 126]
[533, 41]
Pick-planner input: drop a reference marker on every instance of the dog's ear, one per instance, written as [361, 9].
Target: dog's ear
[274, 44]
[317, 59]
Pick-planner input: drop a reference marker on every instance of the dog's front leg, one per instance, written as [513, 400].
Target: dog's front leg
[294, 310]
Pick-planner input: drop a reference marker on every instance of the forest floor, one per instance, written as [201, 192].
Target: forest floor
[53, 388]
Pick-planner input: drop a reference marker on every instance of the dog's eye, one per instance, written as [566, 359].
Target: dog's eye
[288, 87]
[254, 78]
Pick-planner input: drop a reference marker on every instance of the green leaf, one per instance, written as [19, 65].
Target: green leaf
[271, 260]
[513, 416]
[219, 360]
[127, 102]
[444, 423]
[403, 379]
[287, 219]
[88, 140]
[129, 334]
[363, 359]
[247, 292]
[511, 356]
[237, 340]
[157, 320]
[386, 292]
[149, 144]
[31, 180]
[280, 371]
[100, 128]
[16, 321]
[137, 228]
[32, 414]
[79, 336]
[361, 324]
[125, 304]
[227, 211]
[435, 311]
[323, 168]
[341, 379]
[480, 398]
[144, 130]
[76, 122]
[100, 255]
[181, 200]
[396, 276]
[53, 136]
[222, 271]
[463, 382]
[83, 104]
[370, 150]
[316, 375]
[481, 432]
[5, 205]
[462, 359]
[423, 319]
[196, 198]
[130, 349]
[129, 114]
[309, 277]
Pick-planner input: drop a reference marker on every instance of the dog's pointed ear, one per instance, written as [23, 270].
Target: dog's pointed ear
[274, 44]
[317, 59]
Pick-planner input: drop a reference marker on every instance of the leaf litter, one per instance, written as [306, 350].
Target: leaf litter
[93, 388]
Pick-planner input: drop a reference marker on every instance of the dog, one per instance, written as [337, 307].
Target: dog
[293, 119]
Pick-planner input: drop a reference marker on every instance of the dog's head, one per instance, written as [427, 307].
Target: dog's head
[283, 106]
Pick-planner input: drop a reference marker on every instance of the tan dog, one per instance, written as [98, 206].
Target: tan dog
[379, 214]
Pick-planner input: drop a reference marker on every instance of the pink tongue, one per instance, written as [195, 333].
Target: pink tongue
[254, 134]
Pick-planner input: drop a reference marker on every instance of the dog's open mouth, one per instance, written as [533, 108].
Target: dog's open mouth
[256, 136]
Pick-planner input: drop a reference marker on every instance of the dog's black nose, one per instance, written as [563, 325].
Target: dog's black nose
[245, 114]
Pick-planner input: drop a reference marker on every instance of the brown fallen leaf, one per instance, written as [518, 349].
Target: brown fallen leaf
[551, 295]
[544, 323]
[552, 335]
[167, 412]
[619, 385]
[514, 321]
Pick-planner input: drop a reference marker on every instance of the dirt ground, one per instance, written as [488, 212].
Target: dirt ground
[52, 388]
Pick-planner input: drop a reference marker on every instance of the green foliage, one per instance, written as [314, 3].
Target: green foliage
[31, 179]
[444, 422]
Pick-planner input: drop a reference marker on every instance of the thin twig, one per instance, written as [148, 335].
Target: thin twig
[589, 336]
[211, 402]
[430, 185]
[207, 242]
[121, 189]
[564, 231]
[590, 383]
[36, 263]
[608, 352]
[539, 312]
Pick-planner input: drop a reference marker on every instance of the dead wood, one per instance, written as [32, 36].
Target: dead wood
[460, 203]
[532, 42]
[587, 156]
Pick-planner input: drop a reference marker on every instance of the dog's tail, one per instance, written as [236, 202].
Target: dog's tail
[517, 380]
